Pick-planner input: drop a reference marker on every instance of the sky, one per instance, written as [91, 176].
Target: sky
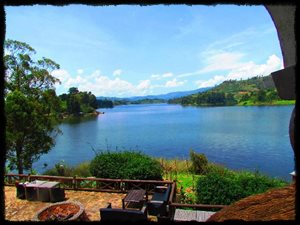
[132, 50]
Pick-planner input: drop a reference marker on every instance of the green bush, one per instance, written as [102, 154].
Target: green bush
[125, 165]
[62, 169]
[199, 162]
[227, 186]
[217, 168]
[82, 170]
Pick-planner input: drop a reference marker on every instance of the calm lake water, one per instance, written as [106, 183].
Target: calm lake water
[250, 138]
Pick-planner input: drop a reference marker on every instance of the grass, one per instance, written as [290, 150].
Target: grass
[285, 102]
[179, 170]
[277, 102]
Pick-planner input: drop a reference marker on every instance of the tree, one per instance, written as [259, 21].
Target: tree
[73, 90]
[261, 96]
[199, 162]
[73, 104]
[31, 105]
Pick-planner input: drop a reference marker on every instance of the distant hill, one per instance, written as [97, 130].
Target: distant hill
[163, 97]
[252, 84]
[259, 90]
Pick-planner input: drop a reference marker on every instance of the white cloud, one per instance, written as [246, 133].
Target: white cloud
[161, 76]
[102, 85]
[222, 61]
[190, 74]
[243, 37]
[211, 82]
[174, 83]
[251, 69]
[144, 85]
[167, 75]
[61, 74]
[80, 71]
[155, 76]
[245, 71]
[75, 82]
[217, 61]
[117, 72]
[95, 74]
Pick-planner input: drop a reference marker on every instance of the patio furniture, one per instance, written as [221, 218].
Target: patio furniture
[31, 190]
[45, 189]
[134, 199]
[158, 205]
[20, 187]
[109, 214]
[183, 215]
[57, 194]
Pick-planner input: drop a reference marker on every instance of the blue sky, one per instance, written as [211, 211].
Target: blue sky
[130, 50]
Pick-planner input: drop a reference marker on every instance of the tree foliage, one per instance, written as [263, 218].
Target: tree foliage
[76, 102]
[31, 105]
[225, 187]
[125, 165]
[199, 162]
[256, 90]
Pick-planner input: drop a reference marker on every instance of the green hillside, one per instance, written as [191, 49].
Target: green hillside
[259, 90]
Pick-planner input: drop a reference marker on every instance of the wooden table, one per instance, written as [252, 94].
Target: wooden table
[39, 190]
[192, 215]
[31, 190]
[134, 196]
[44, 189]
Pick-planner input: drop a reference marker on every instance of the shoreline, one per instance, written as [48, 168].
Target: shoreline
[280, 103]
[66, 118]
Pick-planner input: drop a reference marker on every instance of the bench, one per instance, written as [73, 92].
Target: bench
[157, 206]
[109, 214]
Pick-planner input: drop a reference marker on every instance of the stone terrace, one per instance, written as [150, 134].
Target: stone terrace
[22, 210]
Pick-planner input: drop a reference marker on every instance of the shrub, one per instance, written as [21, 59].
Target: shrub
[82, 170]
[199, 162]
[62, 169]
[254, 183]
[217, 168]
[227, 187]
[125, 165]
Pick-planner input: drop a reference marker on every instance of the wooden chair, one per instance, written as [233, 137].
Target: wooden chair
[57, 194]
[109, 214]
[158, 205]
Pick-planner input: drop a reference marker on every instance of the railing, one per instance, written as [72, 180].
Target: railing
[89, 184]
[110, 185]
[173, 204]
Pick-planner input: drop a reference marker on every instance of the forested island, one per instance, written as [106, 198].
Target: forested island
[78, 103]
[259, 90]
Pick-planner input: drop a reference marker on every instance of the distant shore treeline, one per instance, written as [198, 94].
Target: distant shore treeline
[259, 90]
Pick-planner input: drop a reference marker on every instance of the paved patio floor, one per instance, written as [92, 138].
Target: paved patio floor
[23, 210]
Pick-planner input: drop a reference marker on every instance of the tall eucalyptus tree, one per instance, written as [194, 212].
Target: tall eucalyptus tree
[31, 105]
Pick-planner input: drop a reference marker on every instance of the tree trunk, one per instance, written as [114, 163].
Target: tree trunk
[19, 160]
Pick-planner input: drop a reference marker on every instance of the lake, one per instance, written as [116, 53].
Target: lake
[238, 137]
